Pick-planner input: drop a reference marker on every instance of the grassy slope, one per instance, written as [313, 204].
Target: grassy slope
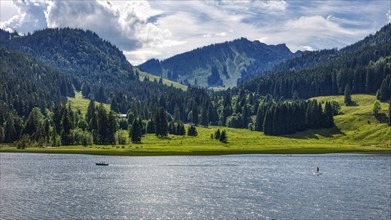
[352, 133]
[81, 103]
[357, 124]
[165, 81]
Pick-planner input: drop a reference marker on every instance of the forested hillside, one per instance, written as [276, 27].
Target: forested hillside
[365, 66]
[25, 83]
[219, 64]
[92, 62]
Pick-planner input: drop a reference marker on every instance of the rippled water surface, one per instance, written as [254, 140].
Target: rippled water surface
[47, 186]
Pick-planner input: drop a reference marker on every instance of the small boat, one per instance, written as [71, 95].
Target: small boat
[101, 164]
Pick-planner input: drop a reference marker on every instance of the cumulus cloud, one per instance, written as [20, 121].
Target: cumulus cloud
[126, 24]
[30, 16]
[389, 16]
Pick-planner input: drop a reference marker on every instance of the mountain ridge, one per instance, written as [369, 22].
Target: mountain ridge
[219, 65]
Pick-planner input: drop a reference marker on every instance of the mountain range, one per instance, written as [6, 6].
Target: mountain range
[219, 65]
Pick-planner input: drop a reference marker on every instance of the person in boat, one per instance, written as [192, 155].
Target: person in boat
[317, 169]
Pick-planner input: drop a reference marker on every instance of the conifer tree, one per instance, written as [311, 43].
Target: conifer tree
[259, 118]
[34, 124]
[268, 121]
[217, 134]
[177, 113]
[223, 137]
[195, 114]
[151, 127]
[112, 127]
[102, 125]
[161, 124]
[347, 95]
[136, 131]
[10, 134]
[181, 129]
[328, 120]
[204, 117]
[90, 111]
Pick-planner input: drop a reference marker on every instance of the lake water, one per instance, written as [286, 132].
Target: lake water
[48, 186]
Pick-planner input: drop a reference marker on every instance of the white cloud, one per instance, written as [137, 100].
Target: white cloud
[308, 48]
[124, 23]
[269, 6]
[30, 16]
[315, 30]
[389, 16]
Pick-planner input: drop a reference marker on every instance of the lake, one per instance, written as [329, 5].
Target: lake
[52, 186]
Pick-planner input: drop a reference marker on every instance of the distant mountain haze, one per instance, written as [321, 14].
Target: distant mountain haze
[219, 65]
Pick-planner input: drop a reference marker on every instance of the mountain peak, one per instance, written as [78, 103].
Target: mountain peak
[221, 64]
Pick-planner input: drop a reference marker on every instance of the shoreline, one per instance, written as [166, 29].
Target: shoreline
[114, 151]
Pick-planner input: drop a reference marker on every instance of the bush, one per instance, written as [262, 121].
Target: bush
[23, 142]
[56, 141]
[121, 138]
[192, 131]
[80, 137]
[376, 108]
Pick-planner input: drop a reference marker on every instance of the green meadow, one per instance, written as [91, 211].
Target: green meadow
[80, 103]
[356, 130]
[166, 82]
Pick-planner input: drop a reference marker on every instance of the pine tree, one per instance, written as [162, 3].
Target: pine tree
[151, 127]
[348, 95]
[112, 127]
[161, 124]
[10, 134]
[268, 121]
[34, 124]
[177, 113]
[204, 117]
[223, 137]
[259, 118]
[130, 118]
[181, 129]
[102, 130]
[66, 126]
[246, 116]
[195, 114]
[90, 111]
[328, 120]
[164, 123]
[217, 134]
[136, 131]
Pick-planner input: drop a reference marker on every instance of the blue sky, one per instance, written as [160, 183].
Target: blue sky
[162, 28]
